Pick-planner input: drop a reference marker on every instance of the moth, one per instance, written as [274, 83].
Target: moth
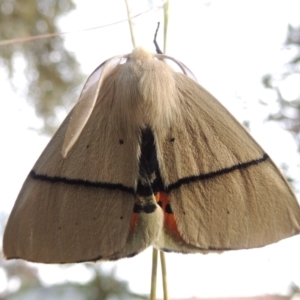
[148, 157]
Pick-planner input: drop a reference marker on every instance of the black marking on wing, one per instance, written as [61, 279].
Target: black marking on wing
[144, 190]
[156, 185]
[87, 183]
[169, 209]
[150, 181]
[213, 174]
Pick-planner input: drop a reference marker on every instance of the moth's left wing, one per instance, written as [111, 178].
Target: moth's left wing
[80, 206]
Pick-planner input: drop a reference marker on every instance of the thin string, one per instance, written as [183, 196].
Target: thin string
[51, 35]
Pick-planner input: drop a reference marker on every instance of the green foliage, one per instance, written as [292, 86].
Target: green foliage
[51, 71]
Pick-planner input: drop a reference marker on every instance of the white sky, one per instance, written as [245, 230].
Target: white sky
[229, 45]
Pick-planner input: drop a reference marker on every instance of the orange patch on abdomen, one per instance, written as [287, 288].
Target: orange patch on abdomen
[169, 219]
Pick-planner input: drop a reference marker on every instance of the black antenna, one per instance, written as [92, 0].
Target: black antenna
[158, 51]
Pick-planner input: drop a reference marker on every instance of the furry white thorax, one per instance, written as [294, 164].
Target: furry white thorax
[147, 85]
[142, 92]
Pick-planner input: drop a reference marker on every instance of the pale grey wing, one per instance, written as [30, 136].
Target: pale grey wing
[224, 191]
[78, 208]
[86, 103]
[63, 223]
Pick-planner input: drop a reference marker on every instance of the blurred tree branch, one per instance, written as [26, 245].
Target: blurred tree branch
[289, 109]
[51, 71]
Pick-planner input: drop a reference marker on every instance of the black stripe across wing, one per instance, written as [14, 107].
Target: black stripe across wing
[213, 174]
[87, 183]
[156, 185]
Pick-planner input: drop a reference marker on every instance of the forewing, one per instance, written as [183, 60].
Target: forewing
[224, 191]
[78, 208]
[86, 103]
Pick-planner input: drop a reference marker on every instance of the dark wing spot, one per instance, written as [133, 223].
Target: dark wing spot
[169, 209]
[121, 141]
[137, 208]
[172, 140]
